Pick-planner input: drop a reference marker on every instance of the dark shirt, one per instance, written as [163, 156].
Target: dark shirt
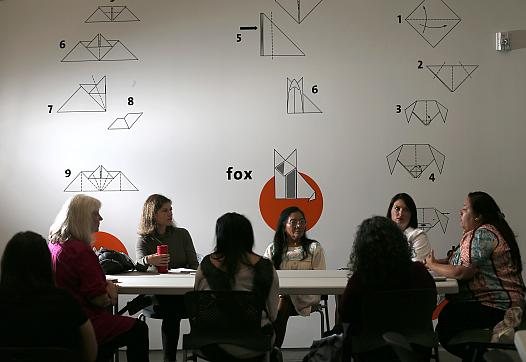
[51, 318]
[351, 301]
[180, 247]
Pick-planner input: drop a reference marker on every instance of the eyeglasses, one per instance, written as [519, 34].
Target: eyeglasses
[295, 223]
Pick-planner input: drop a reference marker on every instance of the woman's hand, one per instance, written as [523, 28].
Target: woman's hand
[158, 259]
[430, 259]
[111, 289]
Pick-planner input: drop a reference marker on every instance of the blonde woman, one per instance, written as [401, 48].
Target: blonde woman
[77, 269]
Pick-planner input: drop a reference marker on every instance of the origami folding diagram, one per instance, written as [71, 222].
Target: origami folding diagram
[111, 14]
[298, 9]
[429, 217]
[415, 158]
[126, 122]
[288, 182]
[99, 49]
[452, 75]
[433, 20]
[89, 97]
[426, 111]
[100, 180]
[273, 41]
[297, 101]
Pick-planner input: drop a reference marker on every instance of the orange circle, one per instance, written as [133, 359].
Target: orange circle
[103, 239]
[270, 207]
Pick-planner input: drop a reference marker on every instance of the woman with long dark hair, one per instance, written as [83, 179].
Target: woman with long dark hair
[234, 266]
[292, 249]
[37, 313]
[487, 265]
[402, 210]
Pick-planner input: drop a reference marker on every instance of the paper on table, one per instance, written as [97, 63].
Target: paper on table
[437, 277]
[182, 271]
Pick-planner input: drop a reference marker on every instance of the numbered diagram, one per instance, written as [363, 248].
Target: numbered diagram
[426, 111]
[100, 180]
[99, 49]
[433, 20]
[298, 9]
[125, 122]
[89, 97]
[415, 158]
[452, 75]
[273, 41]
[288, 182]
[429, 217]
[111, 14]
[297, 101]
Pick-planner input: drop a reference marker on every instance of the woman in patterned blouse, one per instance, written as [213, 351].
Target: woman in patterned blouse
[487, 265]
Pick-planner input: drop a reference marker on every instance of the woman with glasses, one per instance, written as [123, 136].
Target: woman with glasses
[402, 210]
[291, 249]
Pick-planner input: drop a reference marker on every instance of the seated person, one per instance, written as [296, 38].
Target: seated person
[402, 210]
[35, 312]
[487, 265]
[234, 266]
[157, 228]
[77, 269]
[292, 249]
[380, 261]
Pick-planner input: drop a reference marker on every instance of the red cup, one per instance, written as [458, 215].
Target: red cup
[162, 249]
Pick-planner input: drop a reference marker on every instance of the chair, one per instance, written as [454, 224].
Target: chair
[224, 317]
[477, 341]
[43, 354]
[407, 312]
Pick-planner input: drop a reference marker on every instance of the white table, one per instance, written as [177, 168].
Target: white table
[331, 282]
[520, 343]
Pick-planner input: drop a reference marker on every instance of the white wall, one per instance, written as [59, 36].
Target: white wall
[210, 103]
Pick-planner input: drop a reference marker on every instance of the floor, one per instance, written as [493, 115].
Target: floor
[289, 355]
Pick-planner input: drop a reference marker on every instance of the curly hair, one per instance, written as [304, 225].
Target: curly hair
[280, 237]
[380, 252]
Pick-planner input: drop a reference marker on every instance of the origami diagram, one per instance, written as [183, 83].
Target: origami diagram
[297, 101]
[90, 97]
[298, 9]
[126, 122]
[288, 182]
[433, 20]
[100, 180]
[415, 158]
[99, 49]
[429, 217]
[273, 41]
[111, 14]
[452, 75]
[426, 111]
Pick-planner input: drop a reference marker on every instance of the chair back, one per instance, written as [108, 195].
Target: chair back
[44, 354]
[223, 311]
[407, 312]
[224, 317]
